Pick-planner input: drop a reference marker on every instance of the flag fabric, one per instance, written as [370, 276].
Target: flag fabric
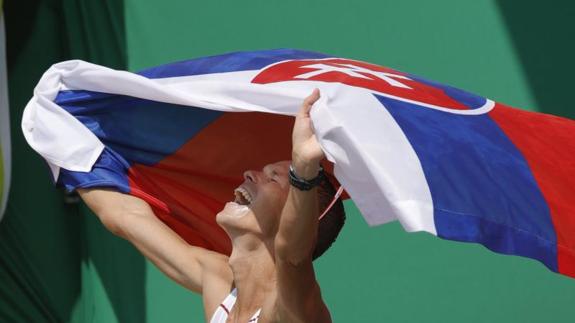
[436, 158]
[5, 157]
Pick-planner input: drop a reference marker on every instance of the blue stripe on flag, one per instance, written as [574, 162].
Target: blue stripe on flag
[142, 131]
[470, 100]
[481, 186]
[231, 62]
[110, 170]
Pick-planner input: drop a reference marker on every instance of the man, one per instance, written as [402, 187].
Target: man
[273, 226]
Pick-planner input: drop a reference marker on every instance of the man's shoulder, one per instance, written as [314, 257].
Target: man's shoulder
[217, 282]
[299, 296]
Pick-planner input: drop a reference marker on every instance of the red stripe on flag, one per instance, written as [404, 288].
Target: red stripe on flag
[548, 144]
[193, 220]
[197, 180]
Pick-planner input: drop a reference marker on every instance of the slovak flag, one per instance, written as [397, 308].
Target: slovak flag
[436, 158]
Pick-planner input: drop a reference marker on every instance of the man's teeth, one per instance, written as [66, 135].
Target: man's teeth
[243, 195]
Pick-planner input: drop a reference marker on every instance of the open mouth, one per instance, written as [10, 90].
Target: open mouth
[242, 196]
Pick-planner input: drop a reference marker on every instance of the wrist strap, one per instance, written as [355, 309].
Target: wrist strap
[302, 184]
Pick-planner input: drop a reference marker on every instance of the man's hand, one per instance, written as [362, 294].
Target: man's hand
[306, 151]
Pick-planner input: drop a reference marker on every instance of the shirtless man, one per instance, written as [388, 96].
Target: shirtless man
[273, 226]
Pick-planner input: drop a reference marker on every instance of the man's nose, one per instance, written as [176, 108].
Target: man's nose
[251, 176]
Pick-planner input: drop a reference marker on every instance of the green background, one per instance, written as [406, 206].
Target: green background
[57, 263]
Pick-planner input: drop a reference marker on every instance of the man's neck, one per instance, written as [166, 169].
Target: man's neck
[253, 267]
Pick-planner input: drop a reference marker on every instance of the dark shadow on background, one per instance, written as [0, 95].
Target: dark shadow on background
[43, 240]
[543, 34]
[38, 236]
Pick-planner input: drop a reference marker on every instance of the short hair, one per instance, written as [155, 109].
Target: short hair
[332, 223]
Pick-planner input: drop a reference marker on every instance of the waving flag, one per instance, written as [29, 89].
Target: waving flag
[4, 124]
[436, 158]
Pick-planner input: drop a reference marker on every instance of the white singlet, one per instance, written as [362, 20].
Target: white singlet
[226, 306]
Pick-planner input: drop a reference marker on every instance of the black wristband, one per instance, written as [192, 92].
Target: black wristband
[302, 184]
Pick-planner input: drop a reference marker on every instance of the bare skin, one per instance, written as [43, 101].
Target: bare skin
[272, 227]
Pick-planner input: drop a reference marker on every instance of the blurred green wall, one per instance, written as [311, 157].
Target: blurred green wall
[71, 270]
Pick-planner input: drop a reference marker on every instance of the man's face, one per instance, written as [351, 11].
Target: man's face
[258, 202]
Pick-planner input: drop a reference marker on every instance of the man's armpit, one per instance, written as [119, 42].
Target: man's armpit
[299, 294]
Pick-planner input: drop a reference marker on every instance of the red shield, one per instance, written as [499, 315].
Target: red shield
[358, 74]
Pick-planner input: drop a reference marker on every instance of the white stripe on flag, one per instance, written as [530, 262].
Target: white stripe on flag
[375, 160]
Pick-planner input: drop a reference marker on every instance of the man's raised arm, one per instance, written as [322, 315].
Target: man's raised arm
[133, 219]
[299, 293]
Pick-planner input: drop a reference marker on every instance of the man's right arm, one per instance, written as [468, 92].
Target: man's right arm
[133, 219]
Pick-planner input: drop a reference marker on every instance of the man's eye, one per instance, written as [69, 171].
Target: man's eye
[274, 176]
